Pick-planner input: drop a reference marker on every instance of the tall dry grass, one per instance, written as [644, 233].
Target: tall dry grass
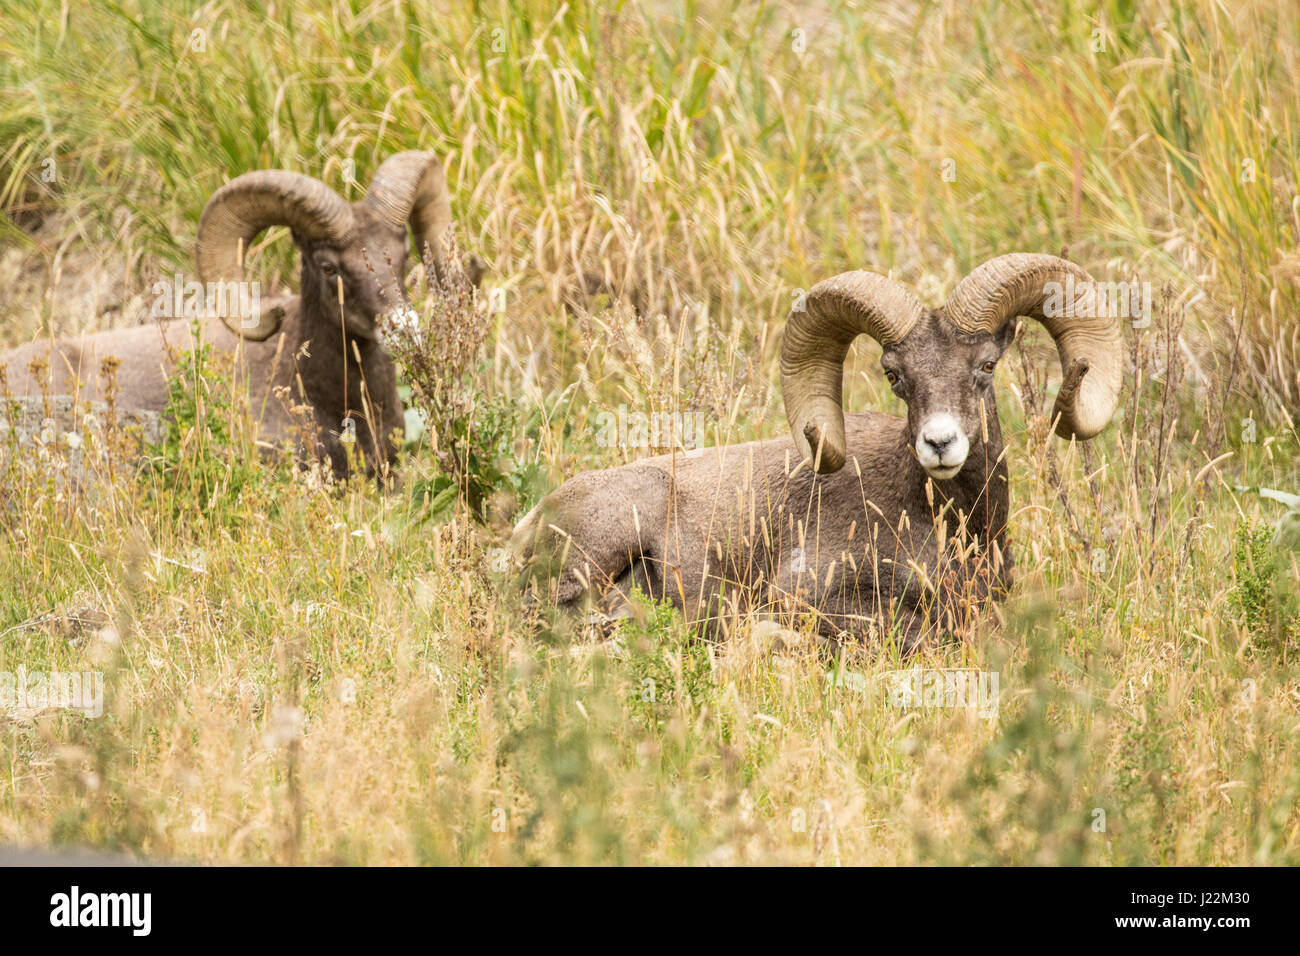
[299, 673]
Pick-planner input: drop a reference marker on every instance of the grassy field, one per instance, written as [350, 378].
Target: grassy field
[298, 673]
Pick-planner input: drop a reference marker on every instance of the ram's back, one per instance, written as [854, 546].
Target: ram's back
[146, 359]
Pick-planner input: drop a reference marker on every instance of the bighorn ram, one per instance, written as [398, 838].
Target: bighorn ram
[907, 539]
[354, 259]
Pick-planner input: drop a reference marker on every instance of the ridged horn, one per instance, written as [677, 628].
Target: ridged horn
[1048, 288]
[814, 348]
[245, 206]
[411, 187]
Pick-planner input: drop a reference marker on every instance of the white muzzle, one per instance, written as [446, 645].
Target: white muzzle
[941, 446]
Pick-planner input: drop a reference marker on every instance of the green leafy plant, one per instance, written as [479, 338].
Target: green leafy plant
[482, 464]
[669, 665]
[202, 455]
[1264, 567]
[438, 345]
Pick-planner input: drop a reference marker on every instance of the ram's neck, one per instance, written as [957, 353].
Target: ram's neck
[331, 374]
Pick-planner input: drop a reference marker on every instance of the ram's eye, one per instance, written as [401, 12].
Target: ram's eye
[891, 377]
[988, 367]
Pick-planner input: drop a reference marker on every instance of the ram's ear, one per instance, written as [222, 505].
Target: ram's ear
[1007, 334]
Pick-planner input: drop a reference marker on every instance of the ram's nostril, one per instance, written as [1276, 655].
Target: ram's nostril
[940, 442]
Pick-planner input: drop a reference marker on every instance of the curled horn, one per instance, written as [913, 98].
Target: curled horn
[411, 188]
[816, 344]
[246, 205]
[1089, 345]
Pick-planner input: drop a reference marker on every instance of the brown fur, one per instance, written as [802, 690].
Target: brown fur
[721, 525]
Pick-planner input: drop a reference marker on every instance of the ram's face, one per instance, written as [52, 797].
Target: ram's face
[366, 273]
[945, 376]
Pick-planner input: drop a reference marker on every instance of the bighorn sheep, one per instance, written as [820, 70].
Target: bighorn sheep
[908, 539]
[354, 259]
